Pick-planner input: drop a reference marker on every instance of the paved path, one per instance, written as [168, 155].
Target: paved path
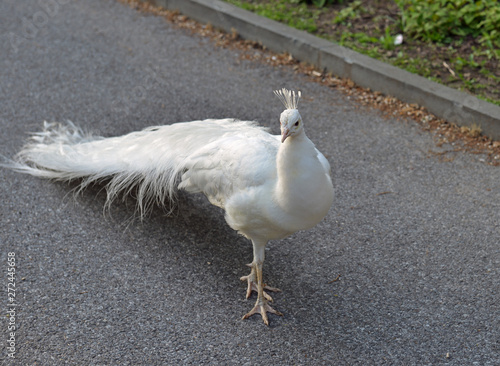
[419, 264]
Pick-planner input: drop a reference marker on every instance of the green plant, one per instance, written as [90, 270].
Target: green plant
[442, 20]
[387, 41]
[351, 11]
[292, 12]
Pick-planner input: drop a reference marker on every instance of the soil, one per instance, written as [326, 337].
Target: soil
[379, 14]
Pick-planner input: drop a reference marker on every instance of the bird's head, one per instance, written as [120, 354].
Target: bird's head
[291, 123]
[290, 119]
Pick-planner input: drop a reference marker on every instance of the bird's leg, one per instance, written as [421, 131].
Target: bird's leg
[261, 305]
[252, 284]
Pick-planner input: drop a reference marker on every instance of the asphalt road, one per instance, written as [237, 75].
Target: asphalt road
[414, 236]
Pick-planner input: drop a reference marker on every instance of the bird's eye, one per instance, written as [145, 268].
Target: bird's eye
[296, 123]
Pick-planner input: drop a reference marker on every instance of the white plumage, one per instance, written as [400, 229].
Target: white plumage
[269, 186]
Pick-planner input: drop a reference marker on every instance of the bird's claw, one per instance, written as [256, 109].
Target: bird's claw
[262, 307]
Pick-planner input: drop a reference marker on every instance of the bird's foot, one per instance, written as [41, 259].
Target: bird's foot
[252, 285]
[262, 307]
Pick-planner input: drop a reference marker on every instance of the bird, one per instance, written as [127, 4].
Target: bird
[269, 186]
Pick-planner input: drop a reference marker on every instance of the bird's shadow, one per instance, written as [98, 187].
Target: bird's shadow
[197, 236]
[192, 230]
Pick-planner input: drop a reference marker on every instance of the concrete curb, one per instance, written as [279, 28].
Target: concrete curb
[444, 102]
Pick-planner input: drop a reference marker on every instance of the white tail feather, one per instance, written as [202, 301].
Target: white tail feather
[149, 162]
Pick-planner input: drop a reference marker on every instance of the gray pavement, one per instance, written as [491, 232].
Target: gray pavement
[419, 264]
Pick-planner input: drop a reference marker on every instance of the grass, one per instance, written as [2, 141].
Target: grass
[453, 42]
[299, 16]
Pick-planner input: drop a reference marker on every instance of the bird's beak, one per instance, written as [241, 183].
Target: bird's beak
[285, 132]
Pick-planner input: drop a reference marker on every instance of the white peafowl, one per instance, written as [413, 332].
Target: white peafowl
[269, 186]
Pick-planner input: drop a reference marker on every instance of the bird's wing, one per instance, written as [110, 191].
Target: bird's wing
[235, 162]
[324, 162]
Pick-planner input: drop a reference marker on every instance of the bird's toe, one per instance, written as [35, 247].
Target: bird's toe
[262, 308]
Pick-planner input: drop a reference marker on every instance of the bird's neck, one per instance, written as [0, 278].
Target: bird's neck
[291, 149]
[296, 157]
[303, 190]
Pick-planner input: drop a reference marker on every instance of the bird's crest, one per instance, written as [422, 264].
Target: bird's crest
[289, 98]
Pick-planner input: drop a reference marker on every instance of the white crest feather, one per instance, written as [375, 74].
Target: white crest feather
[289, 98]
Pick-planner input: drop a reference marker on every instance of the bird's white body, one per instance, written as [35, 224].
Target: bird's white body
[269, 186]
[268, 189]
[296, 193]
